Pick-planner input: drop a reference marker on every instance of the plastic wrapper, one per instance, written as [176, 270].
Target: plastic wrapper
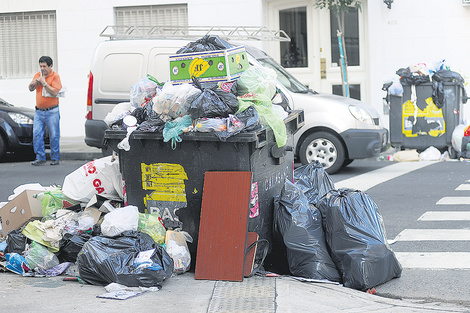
[300, 226]
[38, 256]
[104, 260]
[212, 102]
[36, 231]
[177, 249]
[206, 125]
[174, 129]
[457, 136]
[120, 111]
[142, 92]
[97, 177]
[258, 80]
[16, 242]
[120, 220]
[174, 101]
[265, 109]
[412, 78]
[16, 263]
[356, 237]
[152, 225]
[430, 154]
[313, 181]
[55, 199]
[206, 43]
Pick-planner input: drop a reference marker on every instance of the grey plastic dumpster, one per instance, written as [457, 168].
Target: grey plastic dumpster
[420, 125]
[158, 178]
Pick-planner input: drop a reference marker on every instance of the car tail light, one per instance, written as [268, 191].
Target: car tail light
[89, 101]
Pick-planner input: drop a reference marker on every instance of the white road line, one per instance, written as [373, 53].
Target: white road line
[445, 216]
[453, 200]
[433, 235]
[370, 179]
[463, 187]
[434, 260]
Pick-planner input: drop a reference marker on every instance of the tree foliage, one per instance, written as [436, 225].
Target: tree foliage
[339, 8]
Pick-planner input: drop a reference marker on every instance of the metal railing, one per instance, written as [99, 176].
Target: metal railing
[257, 33]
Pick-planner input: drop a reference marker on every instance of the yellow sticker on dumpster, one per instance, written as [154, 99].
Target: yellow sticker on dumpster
[166, 180]
[429, 121]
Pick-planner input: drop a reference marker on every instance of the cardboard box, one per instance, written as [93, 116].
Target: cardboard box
[208, 66]
[21, 209]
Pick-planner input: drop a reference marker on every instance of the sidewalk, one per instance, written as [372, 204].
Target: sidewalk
[75, 148]
[183, 293]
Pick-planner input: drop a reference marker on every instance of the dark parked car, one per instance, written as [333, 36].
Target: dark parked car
[16, 129]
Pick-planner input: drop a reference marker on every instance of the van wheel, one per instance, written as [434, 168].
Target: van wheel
[324, 147]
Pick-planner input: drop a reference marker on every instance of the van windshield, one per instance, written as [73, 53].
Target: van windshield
[283, 76]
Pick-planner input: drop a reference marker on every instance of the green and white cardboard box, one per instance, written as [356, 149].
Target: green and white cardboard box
[208, 66]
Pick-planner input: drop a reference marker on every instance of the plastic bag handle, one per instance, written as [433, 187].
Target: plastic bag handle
[256, 270]
[196, 82]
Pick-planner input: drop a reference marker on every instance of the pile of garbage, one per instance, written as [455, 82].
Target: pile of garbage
[332, 235]
[325, 234]
[225, 108]
[85, 230]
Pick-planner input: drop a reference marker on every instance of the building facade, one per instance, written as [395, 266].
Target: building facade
[380, 38]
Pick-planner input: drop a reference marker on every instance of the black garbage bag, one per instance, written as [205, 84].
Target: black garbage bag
[300, 225]
[248, 120]
[313, 181]
[409, 78]
[104, 260]
[206, 43]
[16, 242]
[70, 246]
[212, 102]
[355, 235]
[438, 80]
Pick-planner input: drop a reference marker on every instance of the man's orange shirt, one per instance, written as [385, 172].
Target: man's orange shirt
[53, 80]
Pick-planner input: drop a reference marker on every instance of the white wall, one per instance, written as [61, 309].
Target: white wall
[79, 23]
[410, 32]
[418, 31]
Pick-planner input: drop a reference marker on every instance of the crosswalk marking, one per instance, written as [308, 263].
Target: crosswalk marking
[445, 216]
[453, 200]
[433, 235]
[463, 187]
[434, 260]
[368, 180]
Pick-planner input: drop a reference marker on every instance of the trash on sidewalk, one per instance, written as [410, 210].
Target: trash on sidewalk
[355, 234]
[89, 229]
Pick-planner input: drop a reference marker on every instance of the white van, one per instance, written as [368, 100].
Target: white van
[337, 129]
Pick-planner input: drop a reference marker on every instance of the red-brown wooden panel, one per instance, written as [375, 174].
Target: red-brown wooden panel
[223, 226]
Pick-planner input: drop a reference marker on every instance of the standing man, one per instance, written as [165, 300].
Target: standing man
[47, 85]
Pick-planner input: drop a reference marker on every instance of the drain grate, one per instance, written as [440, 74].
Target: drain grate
[255, 294]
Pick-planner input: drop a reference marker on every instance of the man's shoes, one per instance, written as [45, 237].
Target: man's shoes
[55, 162]
[38, 162]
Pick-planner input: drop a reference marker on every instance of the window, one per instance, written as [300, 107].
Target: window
[294, 23]
[25, 37]
[152, 15]
[354, 91]
[351, 37]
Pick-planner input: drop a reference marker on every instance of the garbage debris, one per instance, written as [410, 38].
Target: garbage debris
[131, 259]
[355, 235]
[301, 229]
